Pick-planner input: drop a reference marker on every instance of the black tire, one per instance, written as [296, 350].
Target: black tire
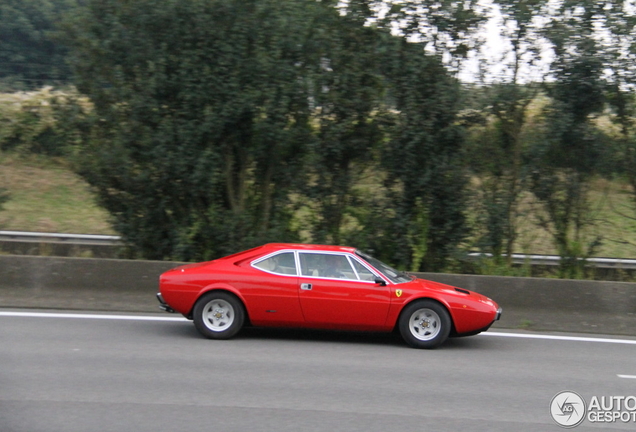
[424, 324]
[218, 315]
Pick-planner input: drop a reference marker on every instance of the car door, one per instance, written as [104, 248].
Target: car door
[272, 292]
[337, 291]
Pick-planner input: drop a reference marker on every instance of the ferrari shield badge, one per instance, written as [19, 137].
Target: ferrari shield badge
[398, 292]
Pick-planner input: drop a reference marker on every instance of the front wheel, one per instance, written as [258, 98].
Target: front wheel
[218, 315]
[424, 324]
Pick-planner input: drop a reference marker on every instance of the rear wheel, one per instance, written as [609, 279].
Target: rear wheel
[218, 315]
[424, 324]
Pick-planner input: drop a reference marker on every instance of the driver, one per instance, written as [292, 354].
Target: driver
[333, 267]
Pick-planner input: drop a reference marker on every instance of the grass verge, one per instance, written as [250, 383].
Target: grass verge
[46, 196]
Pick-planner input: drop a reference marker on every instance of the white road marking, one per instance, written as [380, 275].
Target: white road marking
[90, 316]
[627, 376]
[160, 318]
[561, 338]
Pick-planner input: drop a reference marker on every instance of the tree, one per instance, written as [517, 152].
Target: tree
[348, 91]
[498, 159]
[30, 56]
[620, 45]
[623, 157]
[211, 118]
[201, 119]
[447, 29]
[426, 180]
[567, 158]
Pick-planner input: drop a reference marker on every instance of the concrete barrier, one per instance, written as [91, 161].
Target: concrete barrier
[130, 286]
[80, 283]
[555, 304]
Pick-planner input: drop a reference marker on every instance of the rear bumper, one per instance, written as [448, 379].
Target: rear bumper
[163, 305]
[499, 311]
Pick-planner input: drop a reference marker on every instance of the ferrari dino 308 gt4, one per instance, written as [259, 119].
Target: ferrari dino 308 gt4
[321, 287]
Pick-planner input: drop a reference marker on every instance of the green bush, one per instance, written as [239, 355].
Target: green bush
[38, 121]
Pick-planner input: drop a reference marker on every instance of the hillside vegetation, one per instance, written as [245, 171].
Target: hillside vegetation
[211, 126]
[46, 196]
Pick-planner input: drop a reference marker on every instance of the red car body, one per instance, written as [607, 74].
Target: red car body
[363, 297]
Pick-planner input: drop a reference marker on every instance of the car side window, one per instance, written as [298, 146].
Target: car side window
[282, 263]
[363, 272]
[326, 265]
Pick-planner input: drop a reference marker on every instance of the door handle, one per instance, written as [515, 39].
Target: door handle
[305, 286]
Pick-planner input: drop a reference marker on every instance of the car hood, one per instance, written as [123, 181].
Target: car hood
[428, 285]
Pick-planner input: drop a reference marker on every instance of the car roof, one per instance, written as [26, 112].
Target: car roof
[273, 247]
[312, 247]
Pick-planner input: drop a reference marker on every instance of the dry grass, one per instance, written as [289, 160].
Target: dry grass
[47, 197]
[611, 213]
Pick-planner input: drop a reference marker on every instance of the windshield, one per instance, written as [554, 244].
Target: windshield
[389, 272]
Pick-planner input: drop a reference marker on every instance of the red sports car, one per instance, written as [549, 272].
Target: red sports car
[322, 287]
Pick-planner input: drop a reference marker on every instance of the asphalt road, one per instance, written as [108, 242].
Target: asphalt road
[83, 374]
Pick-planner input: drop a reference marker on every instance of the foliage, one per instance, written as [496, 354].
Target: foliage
[30, 56]
[201, 117]
[205, 126]
[30, 121]
[495, 267]
[620, 59]
[210, 116]
[447, 28]
[4, 197]
[562, 149]
[497, 153]
[567, 158]
[422, 157]
[349, 106]
[563, 167]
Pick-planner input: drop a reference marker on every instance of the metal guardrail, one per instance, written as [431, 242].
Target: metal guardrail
[94, 239]
[39, 237]
[554, 260]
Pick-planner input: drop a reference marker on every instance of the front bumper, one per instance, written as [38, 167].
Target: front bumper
[163, 305]
[475, 332]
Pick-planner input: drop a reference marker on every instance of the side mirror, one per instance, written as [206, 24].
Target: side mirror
[379, 281]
